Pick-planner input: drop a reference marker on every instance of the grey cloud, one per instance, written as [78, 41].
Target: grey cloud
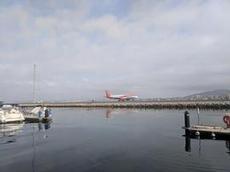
[159, 48]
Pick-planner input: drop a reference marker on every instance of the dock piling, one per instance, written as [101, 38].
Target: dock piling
[186, 119]
[186, 122]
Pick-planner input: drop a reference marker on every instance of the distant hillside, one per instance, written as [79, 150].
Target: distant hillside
[210, 95]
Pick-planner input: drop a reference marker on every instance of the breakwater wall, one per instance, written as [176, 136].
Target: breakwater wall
[138, 104]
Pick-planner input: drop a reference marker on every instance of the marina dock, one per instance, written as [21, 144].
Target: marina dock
[205, 130]
[136, 104]
[208, 130]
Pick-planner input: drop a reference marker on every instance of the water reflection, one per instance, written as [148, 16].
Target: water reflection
[8, 131]
[108, 113]
[188, 139]
[187, 143]
[227, 144]
[44, 126]
[111, 111]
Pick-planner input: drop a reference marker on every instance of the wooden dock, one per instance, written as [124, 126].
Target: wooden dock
[137, 104]
[204, 130]
[208, 130]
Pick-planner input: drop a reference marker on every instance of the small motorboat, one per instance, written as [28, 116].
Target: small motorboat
[10, 114]
[39, 114]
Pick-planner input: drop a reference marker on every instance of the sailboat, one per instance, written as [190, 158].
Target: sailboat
[43, 114]
[38, 114]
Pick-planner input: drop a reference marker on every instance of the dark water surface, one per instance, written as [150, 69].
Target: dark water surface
[112, 140]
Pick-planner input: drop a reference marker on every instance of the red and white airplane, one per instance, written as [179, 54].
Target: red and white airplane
[120, 97]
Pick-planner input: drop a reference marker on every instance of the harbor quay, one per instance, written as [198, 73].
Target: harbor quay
[136, 104]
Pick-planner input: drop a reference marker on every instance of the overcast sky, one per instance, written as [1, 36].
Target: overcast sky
[151, 48]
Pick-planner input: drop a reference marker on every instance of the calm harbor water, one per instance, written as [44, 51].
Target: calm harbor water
[112, 140]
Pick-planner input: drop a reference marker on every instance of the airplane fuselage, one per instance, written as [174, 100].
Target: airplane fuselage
[120, 97]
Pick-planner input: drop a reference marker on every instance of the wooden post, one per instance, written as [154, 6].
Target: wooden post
[186, 119]
[186, 123]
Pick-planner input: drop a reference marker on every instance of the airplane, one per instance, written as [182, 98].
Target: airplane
[121, 97]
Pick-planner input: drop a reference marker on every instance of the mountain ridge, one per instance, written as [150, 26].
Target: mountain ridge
[208, 95]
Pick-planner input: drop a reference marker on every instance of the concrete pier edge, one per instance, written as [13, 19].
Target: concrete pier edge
[137, 104]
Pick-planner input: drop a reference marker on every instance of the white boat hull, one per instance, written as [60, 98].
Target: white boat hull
[12, 115]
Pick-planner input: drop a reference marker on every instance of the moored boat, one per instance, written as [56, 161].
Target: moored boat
[39, 114]
[11, 114]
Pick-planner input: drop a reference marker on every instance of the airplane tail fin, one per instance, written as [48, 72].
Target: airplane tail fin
[107, 93]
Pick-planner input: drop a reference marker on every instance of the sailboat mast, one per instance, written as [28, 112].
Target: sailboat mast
[34, 82]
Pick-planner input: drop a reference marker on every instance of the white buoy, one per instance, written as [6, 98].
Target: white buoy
[213, 135]
[197, 133]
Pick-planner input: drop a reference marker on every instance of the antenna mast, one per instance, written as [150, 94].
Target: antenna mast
[34, 82]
